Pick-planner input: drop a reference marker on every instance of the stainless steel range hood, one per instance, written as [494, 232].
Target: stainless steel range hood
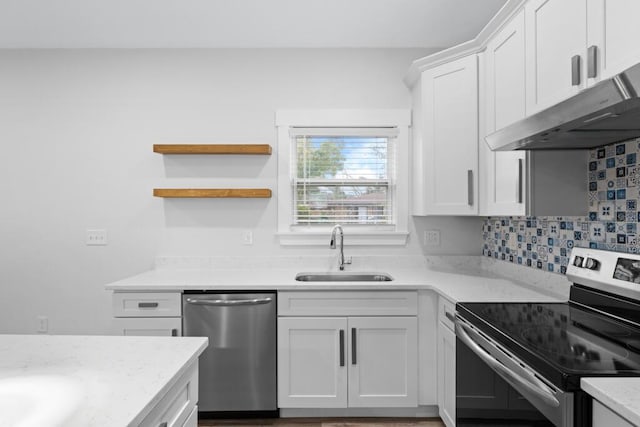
[602, 114]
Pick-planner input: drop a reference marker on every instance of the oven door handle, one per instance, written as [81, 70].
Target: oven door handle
[532, 384]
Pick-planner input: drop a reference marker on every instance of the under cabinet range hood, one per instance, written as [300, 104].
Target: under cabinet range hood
[602, 114]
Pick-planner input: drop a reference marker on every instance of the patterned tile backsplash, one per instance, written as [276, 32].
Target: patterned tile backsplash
[612, 224]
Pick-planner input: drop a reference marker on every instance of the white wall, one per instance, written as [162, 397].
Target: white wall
[77, 129]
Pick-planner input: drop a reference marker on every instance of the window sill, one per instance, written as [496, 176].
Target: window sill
[316, 238]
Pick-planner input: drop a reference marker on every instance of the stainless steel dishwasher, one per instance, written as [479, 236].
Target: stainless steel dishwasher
[238, 369]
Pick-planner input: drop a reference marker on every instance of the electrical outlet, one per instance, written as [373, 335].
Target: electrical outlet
[43, 324]
[432, 237]
[96, 237]
[247, 237]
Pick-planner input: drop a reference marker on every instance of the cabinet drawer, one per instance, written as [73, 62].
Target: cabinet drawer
[148, 327]
[446, 309]
[176, 407]
[322, 303]
[147, 304]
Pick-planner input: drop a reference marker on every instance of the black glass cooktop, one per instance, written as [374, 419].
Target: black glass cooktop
[562, 341]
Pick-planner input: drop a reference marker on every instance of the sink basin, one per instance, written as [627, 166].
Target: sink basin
[34, 401]
[343, 277]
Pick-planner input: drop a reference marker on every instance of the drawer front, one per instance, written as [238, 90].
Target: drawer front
[348, 303]
[147, 304]
[148, 327]
[446, 311]
[177, 405]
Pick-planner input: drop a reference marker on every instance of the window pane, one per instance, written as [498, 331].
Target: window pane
[342, 179]
[342, 157]
[342, 204]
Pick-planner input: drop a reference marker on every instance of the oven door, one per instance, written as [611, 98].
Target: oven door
[493, 387]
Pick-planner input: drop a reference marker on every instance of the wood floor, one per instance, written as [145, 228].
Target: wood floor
[327, 422]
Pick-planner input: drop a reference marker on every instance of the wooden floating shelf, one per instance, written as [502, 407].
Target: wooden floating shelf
[242, 193]
[263, 149]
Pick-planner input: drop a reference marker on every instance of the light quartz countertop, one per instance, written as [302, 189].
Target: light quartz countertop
[90, 380]
[456, 278]
[621, 395]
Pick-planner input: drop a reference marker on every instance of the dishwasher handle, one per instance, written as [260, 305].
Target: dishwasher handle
[229, 302]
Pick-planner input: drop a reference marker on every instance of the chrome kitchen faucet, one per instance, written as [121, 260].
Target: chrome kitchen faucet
[332, 245]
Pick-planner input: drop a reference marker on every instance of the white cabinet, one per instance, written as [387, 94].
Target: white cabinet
[521, 183]
[147, 313]
[312, 362]
[605, 417]
[446, 140]
[613, 36]
[347, 361]
[599, 37]
[505, 103]
[177, 408]
[446, 363]
[556, 46]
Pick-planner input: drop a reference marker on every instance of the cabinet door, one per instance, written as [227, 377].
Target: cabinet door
[383, 362]
[614, 31]
[504, 77]
[450, 138]
[556, 32]
[447, 375]
[151, 326]
[605, 417]
[310, 372]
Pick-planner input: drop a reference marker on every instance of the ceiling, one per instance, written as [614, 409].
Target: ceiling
[241, 23]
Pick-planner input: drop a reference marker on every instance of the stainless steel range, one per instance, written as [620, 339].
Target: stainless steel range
[534, 354]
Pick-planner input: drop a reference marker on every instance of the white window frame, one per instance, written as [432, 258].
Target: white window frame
[337, 118]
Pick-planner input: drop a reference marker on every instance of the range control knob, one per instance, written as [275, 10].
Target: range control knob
[577, 261]
[591, 264]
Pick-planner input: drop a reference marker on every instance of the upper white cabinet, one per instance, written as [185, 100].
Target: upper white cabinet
[505, 103]
[613, 36]
[446, 143]
[556, 47]
[572, 44]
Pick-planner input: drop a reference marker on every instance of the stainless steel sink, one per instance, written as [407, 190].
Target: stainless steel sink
[343, 277]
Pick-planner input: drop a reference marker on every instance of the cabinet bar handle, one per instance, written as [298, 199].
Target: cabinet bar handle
[147, 304]
[519, 189]
[575, 70]
[592, 62]
[354, 359]
[450, 316]
[341, 347]
[174, 332]
[164, 424]
[470, 187]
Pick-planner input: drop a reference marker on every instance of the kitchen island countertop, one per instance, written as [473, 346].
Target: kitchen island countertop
[89, 380]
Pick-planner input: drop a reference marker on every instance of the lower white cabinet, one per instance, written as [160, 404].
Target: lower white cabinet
[605, 417]
[446, 363]
[178, 407]
[147, 313]
[347, 361]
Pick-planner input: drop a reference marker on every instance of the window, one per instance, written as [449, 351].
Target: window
[343, 175]
[345, 167]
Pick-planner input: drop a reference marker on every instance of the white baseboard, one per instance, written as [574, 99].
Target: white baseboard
[419, 412]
